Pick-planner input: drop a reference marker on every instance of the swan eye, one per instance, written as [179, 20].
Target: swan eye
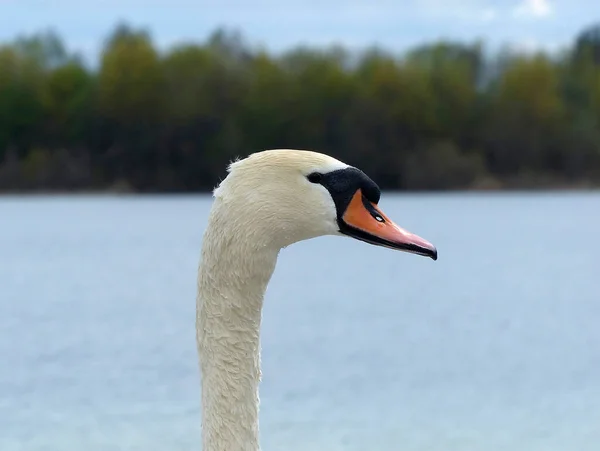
[315, 177]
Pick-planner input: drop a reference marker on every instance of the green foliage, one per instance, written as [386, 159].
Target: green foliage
[66, 99]
[441, 117]
[130, 80]
[21, 112]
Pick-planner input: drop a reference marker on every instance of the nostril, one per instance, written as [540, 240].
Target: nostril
[371, 209]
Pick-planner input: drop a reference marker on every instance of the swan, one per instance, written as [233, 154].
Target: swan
[268, 201]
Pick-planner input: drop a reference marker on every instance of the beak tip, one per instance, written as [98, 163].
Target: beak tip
[434, 254]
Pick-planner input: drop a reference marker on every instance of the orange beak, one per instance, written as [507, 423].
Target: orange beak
[363, 220]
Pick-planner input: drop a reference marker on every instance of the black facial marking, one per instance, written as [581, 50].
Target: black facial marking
[343, 184]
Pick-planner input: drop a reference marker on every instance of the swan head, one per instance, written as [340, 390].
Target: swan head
[282, 196]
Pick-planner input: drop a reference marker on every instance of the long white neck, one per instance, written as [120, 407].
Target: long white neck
[232, 280]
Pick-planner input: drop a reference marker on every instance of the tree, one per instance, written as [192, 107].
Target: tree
[67, 102]
[20, 105]
[130, 80]
[131, 100]
[526, 120]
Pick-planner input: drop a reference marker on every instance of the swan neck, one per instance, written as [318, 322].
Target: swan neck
[232, 280]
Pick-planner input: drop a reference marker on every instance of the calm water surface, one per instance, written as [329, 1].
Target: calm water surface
[496, 346]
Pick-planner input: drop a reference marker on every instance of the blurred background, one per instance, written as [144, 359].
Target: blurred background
[480, 120]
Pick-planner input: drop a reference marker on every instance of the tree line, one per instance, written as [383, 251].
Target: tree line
[444, 115]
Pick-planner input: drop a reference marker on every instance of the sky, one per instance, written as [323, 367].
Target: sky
[279, 25]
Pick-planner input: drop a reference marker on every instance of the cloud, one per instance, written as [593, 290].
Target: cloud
[536, 9]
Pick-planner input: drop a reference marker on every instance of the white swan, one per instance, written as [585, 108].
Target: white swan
[268, 201]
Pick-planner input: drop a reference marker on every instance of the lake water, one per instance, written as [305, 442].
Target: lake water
[496, 346]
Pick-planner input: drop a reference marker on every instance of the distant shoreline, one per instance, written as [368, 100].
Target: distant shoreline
[483, 184]
[132, 193]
